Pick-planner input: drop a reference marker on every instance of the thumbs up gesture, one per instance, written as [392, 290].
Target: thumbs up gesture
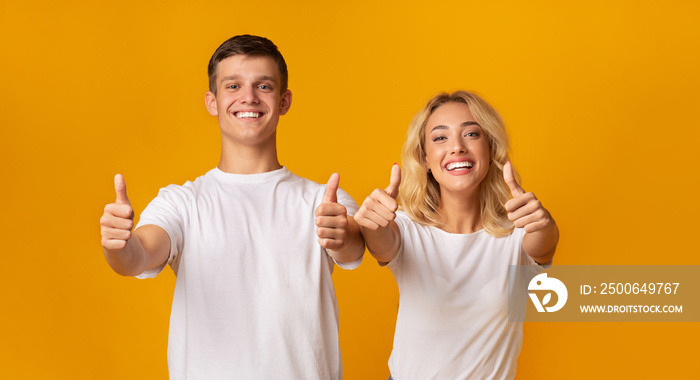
[524, 209]
[118, 219]
[332, 218]
[379, 209]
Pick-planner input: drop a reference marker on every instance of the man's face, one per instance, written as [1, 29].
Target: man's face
[248, 102]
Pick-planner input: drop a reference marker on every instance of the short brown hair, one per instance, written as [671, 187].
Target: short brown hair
[249, 45]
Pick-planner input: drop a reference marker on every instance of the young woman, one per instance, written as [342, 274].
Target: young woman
[464, 221]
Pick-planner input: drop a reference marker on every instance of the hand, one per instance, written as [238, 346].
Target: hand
[332, 218]
[379, 209]
[524, 210]
[118, 219]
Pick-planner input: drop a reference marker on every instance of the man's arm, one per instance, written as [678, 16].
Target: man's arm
[337, 232]
[128, 253]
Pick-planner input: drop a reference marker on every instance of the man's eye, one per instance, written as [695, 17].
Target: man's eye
[232, 86]
[264, 87]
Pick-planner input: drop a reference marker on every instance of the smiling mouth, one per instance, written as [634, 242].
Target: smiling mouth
[247, 115]
[459, 165]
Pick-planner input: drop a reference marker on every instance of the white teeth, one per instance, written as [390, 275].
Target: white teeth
[459, 165]
[248, 115]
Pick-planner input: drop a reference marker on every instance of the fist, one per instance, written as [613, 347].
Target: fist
[379, 209]
[524, 209]
[332, 218]
[118, 219]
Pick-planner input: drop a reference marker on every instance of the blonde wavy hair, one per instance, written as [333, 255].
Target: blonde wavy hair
[419, 193]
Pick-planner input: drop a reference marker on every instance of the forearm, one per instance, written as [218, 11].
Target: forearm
[148, 247]
[129, 261]
[384, 242]
[354, 247]
[541, 244]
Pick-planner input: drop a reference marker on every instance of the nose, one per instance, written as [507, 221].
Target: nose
[248, 95]
[458, 146]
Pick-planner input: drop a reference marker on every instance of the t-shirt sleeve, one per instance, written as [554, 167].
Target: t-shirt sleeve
[351, 206]
[402, 221]
[165, 211]
[346, 200]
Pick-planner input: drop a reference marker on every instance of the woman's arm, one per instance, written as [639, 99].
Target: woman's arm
[376, 219]
[526, 211]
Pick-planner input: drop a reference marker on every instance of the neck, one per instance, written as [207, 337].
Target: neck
[460, 213]
[248, 159]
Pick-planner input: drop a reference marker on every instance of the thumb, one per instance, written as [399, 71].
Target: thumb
[120, 188]
[393, 188]
[509, 177]
[331, 189]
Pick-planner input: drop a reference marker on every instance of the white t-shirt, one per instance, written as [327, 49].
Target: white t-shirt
[254, 298]
[453, 309]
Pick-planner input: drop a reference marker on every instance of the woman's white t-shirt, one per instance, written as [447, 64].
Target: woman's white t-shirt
[453, 310]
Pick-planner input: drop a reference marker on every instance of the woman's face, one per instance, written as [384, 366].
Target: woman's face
[456, 149]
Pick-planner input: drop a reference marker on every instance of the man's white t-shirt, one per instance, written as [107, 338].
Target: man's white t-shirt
[254, 298]
[453, 310]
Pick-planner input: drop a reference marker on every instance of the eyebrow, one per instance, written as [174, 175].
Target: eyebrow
[465, 124]
[260, 78]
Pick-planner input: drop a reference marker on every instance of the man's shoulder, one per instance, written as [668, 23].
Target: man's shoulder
[297, 180]
[189, 188]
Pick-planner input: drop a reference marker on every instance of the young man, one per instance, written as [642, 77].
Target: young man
[252, 245]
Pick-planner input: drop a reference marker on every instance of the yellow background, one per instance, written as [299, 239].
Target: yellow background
[601, 99]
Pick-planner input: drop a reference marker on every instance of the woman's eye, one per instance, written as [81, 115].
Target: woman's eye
[472, 134]
[439, 138]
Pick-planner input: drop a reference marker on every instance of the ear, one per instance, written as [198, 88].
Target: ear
[210, 103]
[285, 102]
